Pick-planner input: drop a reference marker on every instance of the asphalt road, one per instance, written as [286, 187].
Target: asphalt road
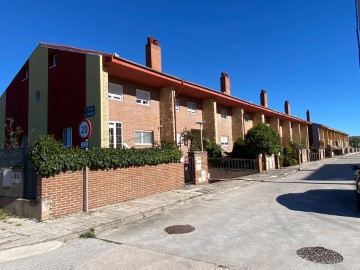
[257, 227]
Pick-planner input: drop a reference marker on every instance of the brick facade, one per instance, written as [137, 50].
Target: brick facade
[167, 123]
[133, 116]
[209, 117]
[237, 123]
[65, 191]
[224, 126]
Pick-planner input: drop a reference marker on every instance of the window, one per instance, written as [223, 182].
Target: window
[54, 60]
[179, 139]
[143, 137]
[67, 137]
[115, 91]
[247, 117]
[191, 107]
[224, 114]
[25, 74]
[224, 140]
[115, 135]
[16, 177]
[142, 97]
[177, 105]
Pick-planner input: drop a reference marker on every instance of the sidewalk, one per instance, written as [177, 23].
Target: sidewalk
[15, 232]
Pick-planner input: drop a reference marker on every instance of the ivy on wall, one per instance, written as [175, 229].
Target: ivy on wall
[49, 157]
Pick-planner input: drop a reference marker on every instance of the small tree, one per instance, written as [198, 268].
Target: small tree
[240, 150]
[262, 139]
[188, 139]
[13, 134]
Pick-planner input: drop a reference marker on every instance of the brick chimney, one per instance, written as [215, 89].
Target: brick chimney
[153, 54]
[264, 99]
[308, 116]
[287, 107]
[225, 83]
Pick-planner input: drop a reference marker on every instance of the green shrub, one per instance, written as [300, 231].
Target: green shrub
[212, 148]
[240, 150]
[49, 157]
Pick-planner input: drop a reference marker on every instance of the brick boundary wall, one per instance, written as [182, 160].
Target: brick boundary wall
[64, 192]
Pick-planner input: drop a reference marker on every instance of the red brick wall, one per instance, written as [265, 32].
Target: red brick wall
[184, 119]
[65, 191]
[135, 116]
[108, 187]
[224, 127]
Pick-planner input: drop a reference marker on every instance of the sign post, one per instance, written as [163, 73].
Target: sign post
[85, 130]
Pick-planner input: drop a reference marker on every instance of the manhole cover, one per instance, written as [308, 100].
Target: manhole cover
[319, 255]
[179, 229]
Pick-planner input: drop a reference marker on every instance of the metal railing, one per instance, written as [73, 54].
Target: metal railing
[233, 164]
[314, 156]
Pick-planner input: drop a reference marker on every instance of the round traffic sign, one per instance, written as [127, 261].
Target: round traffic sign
[85, 129]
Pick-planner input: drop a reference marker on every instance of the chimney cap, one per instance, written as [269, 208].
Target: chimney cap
[152, 40]
[224, 74]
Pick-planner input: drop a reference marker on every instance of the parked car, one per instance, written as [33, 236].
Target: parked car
[357, 184]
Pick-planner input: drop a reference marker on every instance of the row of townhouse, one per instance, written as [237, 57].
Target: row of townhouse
[136, 105]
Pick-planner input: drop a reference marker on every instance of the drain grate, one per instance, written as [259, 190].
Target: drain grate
[319, 255]
[179, 229]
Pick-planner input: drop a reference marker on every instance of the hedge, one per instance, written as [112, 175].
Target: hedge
[49, 157]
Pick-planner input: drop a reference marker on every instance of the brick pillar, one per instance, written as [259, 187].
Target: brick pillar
[277, 162]
[286, 133]
[296, 135]
[237, 123]
[105, 110]
[259, 163]
[304, 133]
[200, 167]
[258, 118]
[209, 116]
[275, 123]
[167, 122]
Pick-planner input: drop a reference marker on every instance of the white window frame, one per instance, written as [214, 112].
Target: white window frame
[179, 139]
[25, 74]
[224, 113]
[177, 105]
[119, 89]
[67, 137]
[113, 125]
[141, 141]
[54, 60]
[225, 140]
[191, 107]
[16, 177]
[142, 100]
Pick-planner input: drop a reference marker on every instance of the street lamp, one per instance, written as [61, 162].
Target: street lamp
[201, 123]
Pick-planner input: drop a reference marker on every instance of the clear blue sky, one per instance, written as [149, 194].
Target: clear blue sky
[302, 51]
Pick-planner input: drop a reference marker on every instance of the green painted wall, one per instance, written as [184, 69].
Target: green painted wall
[38, 108]
[94, 97]
[2, 119]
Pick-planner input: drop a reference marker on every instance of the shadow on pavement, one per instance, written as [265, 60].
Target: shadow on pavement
[336, 202]
[330, 172]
